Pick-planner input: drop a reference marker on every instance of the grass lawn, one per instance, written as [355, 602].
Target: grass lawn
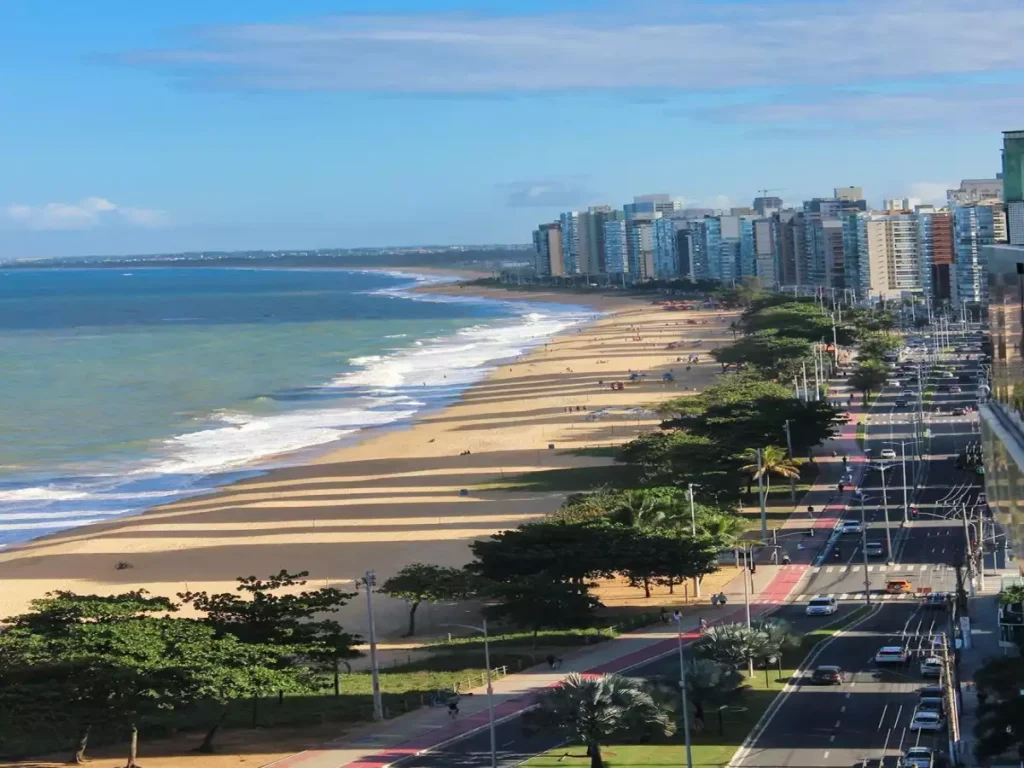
[715, 746]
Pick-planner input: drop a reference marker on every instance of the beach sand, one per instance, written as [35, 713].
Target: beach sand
[393, 498]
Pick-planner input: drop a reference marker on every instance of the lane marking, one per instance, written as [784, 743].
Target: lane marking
[882, 718]
[836, 725]
[831, 738]
[825, 756]
[842, 709]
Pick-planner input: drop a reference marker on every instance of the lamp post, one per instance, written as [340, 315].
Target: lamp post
[378, 704]
[490, 690]
[885, 510]
[682, 688]
[864, 548]
[693, 524]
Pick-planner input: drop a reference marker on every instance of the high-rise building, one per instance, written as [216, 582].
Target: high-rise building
[849, 194]
[889, 257]
[975, 226]
[640, 245]
[666, 248]
[574, 241]
[791, 247]
[1013, 184]
[647, 204]
[901, 204]
[547, 242]
[711, 234]
[973, 191]
[616, 252]
[766, 206]
[766, 251]
[597, 215]
[935, 246]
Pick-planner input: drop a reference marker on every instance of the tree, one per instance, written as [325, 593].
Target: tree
[433, 583]
[679, 457]
[778, 636]
[773, 355]
[732, 644]
[91, 686]
[869, 377]
[561, 551]
[774, 462]
[710, 682]
[802, 321]
[876, 344]
[535, 602]
[593, 710]
[329, 646]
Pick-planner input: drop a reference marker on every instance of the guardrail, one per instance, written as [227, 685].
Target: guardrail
[480, 680]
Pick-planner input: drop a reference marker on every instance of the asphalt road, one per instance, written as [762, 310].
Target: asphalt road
[865, 719]
[514, 746]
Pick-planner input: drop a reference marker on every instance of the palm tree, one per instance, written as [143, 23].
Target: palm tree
[640, 509]
[708, 682]
[724, 528]
[774, 461]
[778, 636]
[732, 644]
[592, 710]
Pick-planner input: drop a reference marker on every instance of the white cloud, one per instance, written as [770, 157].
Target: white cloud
[931, 192]
[564, 193]
[87, 213]
[698, 44]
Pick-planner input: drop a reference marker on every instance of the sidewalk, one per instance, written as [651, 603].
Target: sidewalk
[378, 745]
[984, 645]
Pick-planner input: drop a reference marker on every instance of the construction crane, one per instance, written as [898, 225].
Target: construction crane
[764, 192]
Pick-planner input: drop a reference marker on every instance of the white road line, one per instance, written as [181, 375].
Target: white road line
[842, 709]
[831, 738]
[848, 695]
[843, 596]
[871, 568]
[829, 569]
[825, 756]
[801, 597]
[882, 718]
[837, 724]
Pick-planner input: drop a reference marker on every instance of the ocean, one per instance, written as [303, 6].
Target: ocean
[123, 389]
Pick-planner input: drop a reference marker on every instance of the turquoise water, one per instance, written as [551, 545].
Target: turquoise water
[121, 390]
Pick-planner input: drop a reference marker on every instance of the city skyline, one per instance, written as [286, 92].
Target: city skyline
[359, 124]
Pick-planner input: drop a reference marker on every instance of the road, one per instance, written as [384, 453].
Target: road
[866, 718]
[865, 721]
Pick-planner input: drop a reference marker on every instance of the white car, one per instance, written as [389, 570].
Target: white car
[931, 667]
[850, 526]
[915, 757]
[822, 606]
[888, 453]
[924, 720]
[891, 654]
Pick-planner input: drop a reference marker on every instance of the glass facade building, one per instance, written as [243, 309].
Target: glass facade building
[1002, 416]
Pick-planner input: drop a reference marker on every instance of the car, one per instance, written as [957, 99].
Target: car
[901, 402]
[888, 453]
[874, 549]
[935, 600]
[891, 654]
[850, 526]
[915, 757]
[955, 390]
[821, 606]
[925, 720]
[897, 586]
[932, 705]
[913, 380]
[947, 375]
[827, 675]
[931, 667]
[959, 411]
[933, 691]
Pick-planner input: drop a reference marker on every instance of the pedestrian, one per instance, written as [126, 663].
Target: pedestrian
[453, 708]
[721, 598]
[664, 615]
[703, 626]
[785, 558]
[841, 488]
[753, 567]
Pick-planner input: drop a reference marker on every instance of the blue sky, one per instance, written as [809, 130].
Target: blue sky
[138, 127]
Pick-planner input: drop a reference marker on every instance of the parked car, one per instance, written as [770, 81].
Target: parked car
[821, 606]
[925, 720]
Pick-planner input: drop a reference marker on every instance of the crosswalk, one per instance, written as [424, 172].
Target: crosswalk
[855, 596]
[881, 568]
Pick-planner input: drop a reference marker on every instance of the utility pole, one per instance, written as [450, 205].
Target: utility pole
[864, 551]
[803, 365]
[906, 506]
[378, 708]
[968, 552]
[760, 496]
[885, 511]
[748, 559]
[789, 448]
[693, 523]
[951, 704]
[682, 688]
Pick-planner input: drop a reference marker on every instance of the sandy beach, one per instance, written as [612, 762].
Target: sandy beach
[401, 495]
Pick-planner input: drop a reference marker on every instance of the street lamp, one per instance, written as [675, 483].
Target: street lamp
[885, 509]
[490, 690]
[693, 524]
[864, 547]
[682, 687]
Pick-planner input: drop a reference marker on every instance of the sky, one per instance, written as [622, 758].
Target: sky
[142, 127]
